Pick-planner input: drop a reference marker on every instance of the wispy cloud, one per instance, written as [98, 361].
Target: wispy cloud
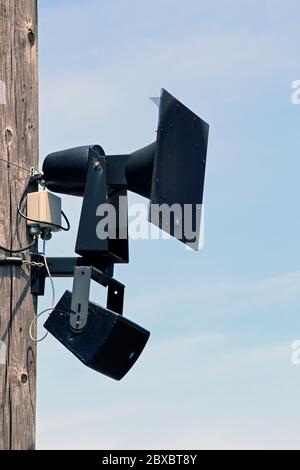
[224, 295]
[191, 417]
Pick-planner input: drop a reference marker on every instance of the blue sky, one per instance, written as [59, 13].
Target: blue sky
[217, 372]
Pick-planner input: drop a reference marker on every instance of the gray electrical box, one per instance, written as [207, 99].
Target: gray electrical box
[45, 208]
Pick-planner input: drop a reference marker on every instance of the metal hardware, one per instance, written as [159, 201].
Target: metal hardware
[80, 297]
[65, 267]
[11, 261]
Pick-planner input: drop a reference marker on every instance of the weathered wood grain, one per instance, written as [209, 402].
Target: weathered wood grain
[19, 144]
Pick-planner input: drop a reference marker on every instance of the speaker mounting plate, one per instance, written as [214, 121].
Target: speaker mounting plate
[179, 169]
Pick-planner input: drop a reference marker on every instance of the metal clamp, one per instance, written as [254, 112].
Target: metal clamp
[80, 297]
[70, 267]
[83, 275]
[11, 261]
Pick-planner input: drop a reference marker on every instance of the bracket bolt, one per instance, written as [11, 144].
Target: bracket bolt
[97, 166]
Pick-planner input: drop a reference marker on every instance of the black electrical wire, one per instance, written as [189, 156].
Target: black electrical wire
[34, 179]
[20, 250]
[26, 248]
[59, 227]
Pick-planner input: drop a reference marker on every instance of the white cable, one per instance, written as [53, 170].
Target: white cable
[50, 277]
[50, 310]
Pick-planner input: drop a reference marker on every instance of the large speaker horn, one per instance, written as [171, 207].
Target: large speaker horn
[170, 172]
[139, 170]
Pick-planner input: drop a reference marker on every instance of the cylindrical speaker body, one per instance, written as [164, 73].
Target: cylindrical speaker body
[65, 172]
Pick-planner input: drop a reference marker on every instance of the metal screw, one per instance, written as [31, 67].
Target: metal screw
[97, 166]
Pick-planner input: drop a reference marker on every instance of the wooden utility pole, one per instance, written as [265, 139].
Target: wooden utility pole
[19, 145]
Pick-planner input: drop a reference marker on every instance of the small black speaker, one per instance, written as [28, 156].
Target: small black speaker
[109, 343]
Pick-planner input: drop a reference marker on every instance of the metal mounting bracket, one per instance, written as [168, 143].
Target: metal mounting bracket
[68, 267]
[80, 297]
[11, 261]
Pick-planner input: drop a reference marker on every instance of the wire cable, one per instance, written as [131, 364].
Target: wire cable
[29, 170]
[60, 227]
[50, 310]
[49, 274]
[26, 262]
[20, 250]
[26, 248]
[34, 178]
[36, 340]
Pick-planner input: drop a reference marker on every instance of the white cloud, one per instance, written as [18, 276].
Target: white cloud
[185, 400]
[216, 296]
[207, 60]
